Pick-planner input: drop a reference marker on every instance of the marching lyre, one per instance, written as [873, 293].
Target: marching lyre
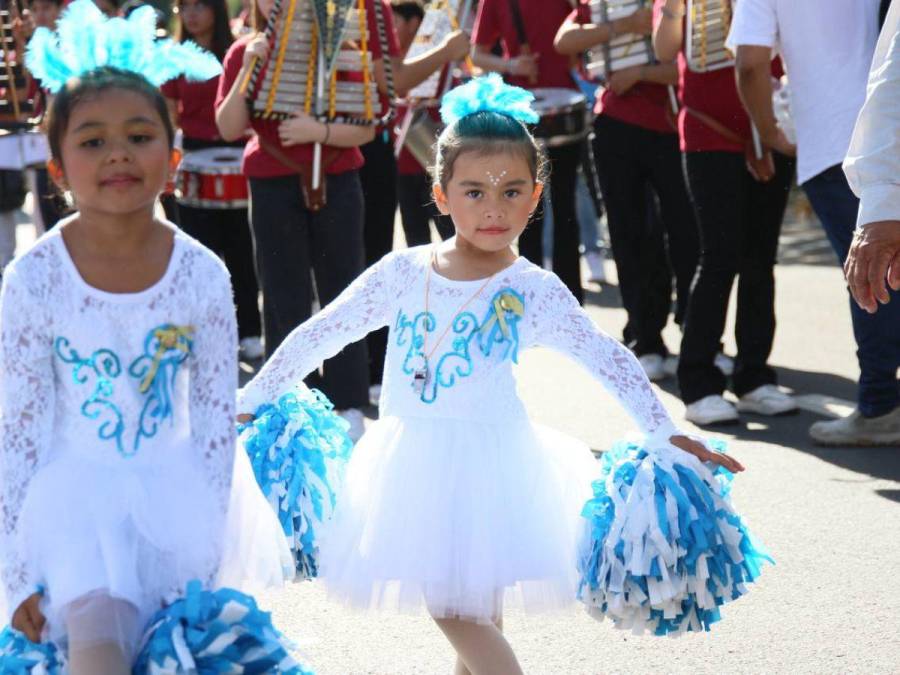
[708, 23]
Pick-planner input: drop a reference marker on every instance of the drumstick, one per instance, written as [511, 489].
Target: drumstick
[757, 144]
[320, 92]
[673, 99]
[525, 50]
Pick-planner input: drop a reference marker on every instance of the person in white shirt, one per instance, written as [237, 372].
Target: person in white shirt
[873, 167]
[826, 47]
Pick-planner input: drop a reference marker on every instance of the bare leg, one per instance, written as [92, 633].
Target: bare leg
[102, 633]
[460, 668]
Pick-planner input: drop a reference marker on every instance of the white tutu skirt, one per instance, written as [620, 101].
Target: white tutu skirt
[139, 533]
[449, 515]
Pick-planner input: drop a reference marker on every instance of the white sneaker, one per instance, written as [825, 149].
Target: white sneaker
[357, 421]
[724, 363]
[594, 262]
[252, 348]
[712, 409]
[767, 400]
[374, 394]
[653, 366]
[857, 430]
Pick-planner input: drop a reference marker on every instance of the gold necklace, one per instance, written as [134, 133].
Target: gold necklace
[422, 375]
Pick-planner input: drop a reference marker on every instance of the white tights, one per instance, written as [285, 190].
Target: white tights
[103, 633]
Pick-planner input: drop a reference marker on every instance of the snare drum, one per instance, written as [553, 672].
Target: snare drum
[23, 149]
[564, 116]
[212, 179]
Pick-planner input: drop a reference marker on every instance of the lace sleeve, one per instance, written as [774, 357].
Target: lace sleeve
[213, 384]
[360, 309]
[561, 324]
[26, 419]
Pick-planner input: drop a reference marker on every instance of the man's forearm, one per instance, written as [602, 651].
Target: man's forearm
[754, 84]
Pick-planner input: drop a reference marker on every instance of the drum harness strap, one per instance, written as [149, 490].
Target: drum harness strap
[314, 200]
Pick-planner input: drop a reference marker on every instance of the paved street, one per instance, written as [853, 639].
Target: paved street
[831, 518]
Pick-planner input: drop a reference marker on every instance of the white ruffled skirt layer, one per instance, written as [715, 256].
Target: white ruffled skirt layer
[136, 534]
[449, 515]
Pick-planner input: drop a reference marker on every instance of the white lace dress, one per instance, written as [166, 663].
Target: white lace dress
[117, 431]
[454, 495]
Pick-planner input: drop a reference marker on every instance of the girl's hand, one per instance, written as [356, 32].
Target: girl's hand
[257, 48]
[245, 418]
[698, 450]
[301, 128]
[28, 618]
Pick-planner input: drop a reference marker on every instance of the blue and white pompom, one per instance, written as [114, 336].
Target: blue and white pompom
[21, 656]
[665, 547]
[298, 449]
[86, 39]
[488, 93]
[215, 632]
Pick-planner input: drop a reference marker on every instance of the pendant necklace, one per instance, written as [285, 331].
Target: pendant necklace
[422, 375]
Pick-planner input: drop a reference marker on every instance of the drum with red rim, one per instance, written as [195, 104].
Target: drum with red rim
[212, 179]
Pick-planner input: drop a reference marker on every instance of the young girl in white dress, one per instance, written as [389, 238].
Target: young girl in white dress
[118, 371]
[454, 496]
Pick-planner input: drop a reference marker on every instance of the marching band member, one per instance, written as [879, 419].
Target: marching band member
[636, 150]
[739, 214]
[223, 230]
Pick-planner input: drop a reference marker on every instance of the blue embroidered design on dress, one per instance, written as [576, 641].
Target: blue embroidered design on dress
[166, 347]
[106, 367]
[499, 328]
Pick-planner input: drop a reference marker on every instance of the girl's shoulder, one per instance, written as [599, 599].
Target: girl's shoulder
[196, 264]
[37, 268]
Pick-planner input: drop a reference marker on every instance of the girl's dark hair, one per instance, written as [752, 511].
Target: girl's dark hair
[92, 84]
[486, 133]
[222, 37]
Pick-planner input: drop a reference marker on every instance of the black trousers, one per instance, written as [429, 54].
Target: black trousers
[50, 202]
[227, 233]
[417, 208]
[379, 184]
[640, 172]
[292, 244]
[740, 221]
[564, 162]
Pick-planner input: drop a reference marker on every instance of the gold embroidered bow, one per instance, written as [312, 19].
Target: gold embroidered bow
[170, 337]
[503, 302]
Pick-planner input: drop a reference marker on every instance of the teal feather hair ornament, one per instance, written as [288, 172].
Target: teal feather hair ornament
[86, 39]
[488, 94]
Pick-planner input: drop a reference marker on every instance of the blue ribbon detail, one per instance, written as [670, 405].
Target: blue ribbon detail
[498, 329]
[106, 367]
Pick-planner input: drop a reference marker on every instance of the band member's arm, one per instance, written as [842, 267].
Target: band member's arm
[524, 65]
[668, 33]
[412, 71]
[753, 70]
[232, 116]
[574, 38]
[307, 129]
[172, 106]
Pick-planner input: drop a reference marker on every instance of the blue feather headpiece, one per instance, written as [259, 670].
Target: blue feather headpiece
[86, 39]
[488, 93]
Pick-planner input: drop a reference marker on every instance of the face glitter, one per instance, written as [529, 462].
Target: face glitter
[495, 180]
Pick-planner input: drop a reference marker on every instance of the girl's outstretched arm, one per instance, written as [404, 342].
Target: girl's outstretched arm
[562, 325]
[214, 372]
[360, 309]
[26, 419]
